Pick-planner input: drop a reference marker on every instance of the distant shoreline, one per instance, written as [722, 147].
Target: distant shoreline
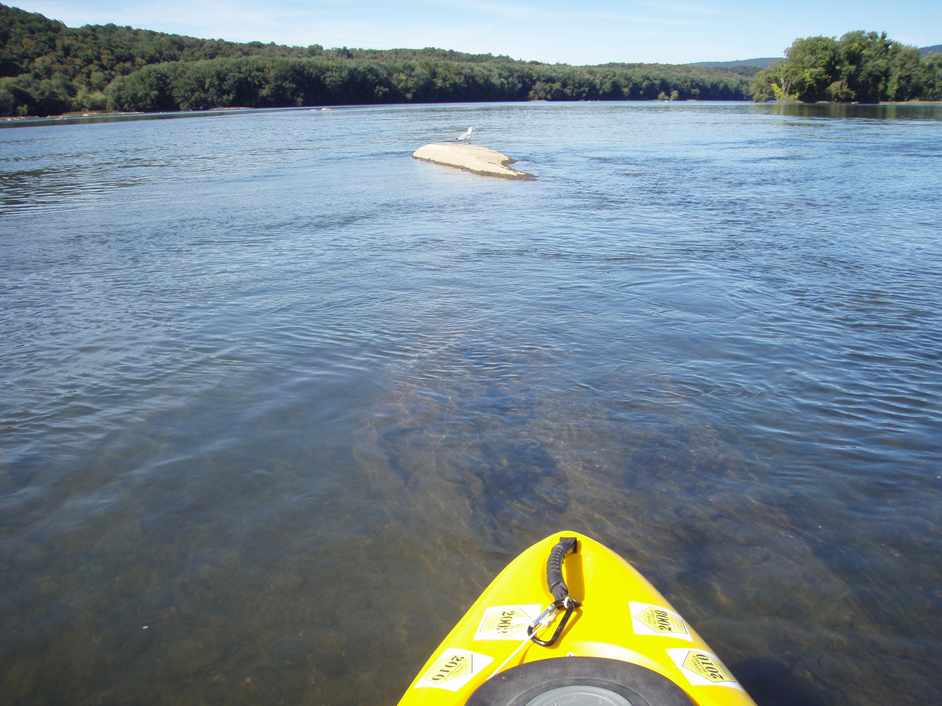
[117, 116]
[91, 117]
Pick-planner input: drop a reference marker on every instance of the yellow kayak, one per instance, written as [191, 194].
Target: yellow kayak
[571, 623]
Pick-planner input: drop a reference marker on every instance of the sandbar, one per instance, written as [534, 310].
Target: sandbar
[474, 158]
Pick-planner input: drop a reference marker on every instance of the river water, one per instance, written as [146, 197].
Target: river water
[278, 400]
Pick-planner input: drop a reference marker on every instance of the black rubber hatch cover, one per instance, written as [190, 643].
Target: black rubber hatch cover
[604, 682]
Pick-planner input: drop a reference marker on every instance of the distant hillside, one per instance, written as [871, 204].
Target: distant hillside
[760, 63]
[110, 50]
[751, 66]
[47, 68]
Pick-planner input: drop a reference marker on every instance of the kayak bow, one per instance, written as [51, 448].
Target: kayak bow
[569, 622]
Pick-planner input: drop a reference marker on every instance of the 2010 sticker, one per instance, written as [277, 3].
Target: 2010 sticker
[507, 622]
[702, 668]
[453, 669]
[650, 619]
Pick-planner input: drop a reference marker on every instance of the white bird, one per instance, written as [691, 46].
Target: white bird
[466, 137]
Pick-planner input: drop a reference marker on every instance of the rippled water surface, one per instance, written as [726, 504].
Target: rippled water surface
[278, 400]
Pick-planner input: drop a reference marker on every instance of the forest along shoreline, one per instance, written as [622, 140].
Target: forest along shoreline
[45, 72]
[49, 69]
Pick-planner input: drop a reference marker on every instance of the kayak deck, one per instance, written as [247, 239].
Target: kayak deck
[620, 616]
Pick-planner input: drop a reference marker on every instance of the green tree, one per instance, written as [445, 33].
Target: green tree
[7, 100]
[907, 76]
[932, 83]
[778, 82]
[861, 66]
[810, 65]
[865, 64]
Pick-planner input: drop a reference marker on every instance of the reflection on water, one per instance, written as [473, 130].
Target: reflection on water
[279, 401]
[882, 111]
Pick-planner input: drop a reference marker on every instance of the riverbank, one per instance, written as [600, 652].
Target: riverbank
[109, 117]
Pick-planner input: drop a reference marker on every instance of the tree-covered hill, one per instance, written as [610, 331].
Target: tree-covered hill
[746, 67]
[934, 49]
[47, 68]
[265, 81]
[866, 67]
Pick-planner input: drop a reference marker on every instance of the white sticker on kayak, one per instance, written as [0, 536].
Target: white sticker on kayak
[507, 622]
[650, 619]
[702, 668]
[453, 669]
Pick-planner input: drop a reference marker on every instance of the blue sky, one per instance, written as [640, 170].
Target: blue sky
[588, 32]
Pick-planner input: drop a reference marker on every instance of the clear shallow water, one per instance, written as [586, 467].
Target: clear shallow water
[289, 398]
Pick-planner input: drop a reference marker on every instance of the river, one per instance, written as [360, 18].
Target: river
[278, 401]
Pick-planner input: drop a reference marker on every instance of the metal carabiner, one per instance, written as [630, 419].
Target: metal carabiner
[569, 605]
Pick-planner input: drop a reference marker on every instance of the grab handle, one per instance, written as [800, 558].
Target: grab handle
[554, 570]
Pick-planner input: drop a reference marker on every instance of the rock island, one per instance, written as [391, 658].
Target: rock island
[474, 158]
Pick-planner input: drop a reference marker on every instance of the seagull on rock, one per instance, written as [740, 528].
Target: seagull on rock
[466, 136]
